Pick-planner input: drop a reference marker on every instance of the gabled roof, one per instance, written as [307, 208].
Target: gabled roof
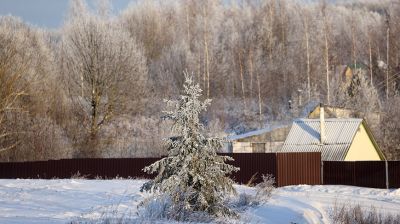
[357, 66]
[332, 112]
[304, 136]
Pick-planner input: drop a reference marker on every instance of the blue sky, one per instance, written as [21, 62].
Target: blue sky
[45, 13]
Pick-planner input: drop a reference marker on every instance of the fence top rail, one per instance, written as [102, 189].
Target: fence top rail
[151, 158]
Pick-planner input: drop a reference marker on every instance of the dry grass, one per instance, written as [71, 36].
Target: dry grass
[78, 175]
[347, 214]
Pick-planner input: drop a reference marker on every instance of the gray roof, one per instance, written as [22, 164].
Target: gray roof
[304, 136]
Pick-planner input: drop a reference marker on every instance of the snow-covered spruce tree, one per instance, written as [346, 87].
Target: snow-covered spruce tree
[192, 175]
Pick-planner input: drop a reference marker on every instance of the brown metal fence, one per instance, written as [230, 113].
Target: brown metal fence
[375, 174]
[298, 168]
[287, 168]
[394, 174]
[253, 166]
[338, 173]
[65, 168]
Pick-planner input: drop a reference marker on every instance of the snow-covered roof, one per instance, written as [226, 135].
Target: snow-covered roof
[304, 136]
[256, 132]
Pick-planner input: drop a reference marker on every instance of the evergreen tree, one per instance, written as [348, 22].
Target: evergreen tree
[192, 174]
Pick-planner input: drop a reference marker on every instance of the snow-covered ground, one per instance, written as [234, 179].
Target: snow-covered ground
[66, 200]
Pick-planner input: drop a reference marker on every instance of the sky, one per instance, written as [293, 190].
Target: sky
[46, 13]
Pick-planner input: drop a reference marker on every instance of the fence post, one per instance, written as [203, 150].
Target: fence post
[354, 172]
[387, 174]
[322, 172]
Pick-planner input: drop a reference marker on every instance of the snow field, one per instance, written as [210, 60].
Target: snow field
[66, 200]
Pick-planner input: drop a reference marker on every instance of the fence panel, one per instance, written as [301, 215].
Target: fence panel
[298, 168]
[361, 173]
[370, 174]
[338, 172]
[252, 166]
[394, 174]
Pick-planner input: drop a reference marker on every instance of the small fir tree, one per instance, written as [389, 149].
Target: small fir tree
[192, 175]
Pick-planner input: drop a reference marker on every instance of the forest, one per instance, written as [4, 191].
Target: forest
[95, 87]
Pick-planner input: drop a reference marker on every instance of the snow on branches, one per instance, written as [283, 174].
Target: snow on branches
[192, 174]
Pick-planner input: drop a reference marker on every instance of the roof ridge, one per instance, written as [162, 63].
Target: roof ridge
[257, 131]
[329, 119]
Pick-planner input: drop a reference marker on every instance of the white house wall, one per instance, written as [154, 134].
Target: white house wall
[241, 147]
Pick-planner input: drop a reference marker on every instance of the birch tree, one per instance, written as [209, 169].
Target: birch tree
[305, 16]
[326, 30]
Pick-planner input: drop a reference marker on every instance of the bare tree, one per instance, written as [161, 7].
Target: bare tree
[20, 67]
[27, 117]
[102, 67]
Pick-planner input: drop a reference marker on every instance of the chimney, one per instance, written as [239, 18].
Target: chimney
[322, 124]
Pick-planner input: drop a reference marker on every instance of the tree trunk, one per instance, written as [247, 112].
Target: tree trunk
[387, 61]
[271, 27]
[327, 58]
[94, 114]
[251, 73]
[259, 98]
[206, 55]
[370, 58]
[242, 79]
[188, 24]
[283, 24]
[353, 41]
[82, 86]
[308, 57]
[199, 68]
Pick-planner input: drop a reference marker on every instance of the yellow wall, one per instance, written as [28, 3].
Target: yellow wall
[362, 147]
[349, 75]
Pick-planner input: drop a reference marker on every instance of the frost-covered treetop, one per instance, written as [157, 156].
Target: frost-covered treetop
[186, 111]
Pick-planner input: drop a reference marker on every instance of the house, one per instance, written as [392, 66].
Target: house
[272, 139]
[332, 112]
[338, 139]
[263, 140]
[350, 70]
